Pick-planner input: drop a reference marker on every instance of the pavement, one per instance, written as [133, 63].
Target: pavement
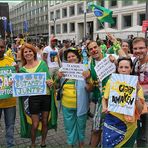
[54, 138]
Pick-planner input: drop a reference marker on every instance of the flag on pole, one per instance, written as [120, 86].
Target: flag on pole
[25, 26]
[10, 27]
[103, 14]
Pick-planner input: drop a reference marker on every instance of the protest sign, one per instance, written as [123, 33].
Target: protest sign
[122, 94]
[104, 68]
[29, 84]
[73, 71]
[5, 77]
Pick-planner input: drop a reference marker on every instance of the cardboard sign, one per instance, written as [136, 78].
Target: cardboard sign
[29, 84]
[5, 77]
[104, 68]
[73, 71]
[122, 94]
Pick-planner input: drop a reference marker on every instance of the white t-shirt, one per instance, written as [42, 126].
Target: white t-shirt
[52, 58]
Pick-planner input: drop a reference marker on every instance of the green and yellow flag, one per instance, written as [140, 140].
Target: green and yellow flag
[103, 14]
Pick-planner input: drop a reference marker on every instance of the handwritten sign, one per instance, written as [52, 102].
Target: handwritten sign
[104, 68]
[73, 71]
[29, 84]
[5, 77]
[122, 94]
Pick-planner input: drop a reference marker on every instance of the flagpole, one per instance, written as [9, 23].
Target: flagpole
[103, 27]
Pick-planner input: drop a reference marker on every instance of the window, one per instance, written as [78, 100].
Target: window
[58, 14]
[58, 29]
[57, 2]
[115, 23]
[51, 3]
[52, 29]
[141, 18]
[64, 12]
[113, 3]
[80, 8]
[127, 21]
[72, 27]
[71, 10]
[51, 15]
[126, 2]
[64, 28]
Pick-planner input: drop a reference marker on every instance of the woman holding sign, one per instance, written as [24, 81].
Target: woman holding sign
[75, 103]
[120, 130]
[35, 119]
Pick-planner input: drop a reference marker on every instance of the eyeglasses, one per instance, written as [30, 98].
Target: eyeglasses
[140, 48]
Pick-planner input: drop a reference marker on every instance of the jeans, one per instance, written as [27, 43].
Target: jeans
[9, 116]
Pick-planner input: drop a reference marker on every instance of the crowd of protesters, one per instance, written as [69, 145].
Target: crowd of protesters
[109, 129]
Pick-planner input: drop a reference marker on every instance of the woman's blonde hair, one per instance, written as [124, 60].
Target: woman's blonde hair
[29, 46]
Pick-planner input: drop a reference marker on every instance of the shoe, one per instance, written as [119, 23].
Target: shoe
[43, 145]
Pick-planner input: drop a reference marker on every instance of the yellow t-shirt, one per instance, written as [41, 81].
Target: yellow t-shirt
[69, 94]
[131, 126]
[5, 103]
[9, 53]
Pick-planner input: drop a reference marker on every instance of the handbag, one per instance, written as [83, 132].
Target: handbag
[59, 91]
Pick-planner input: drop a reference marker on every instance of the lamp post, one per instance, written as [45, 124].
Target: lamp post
[84, 21]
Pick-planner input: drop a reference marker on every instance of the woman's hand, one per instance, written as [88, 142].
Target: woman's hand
[86, 74]
[89, 87]
[50, 83]
[60, 74]
[10, 83]
[111, 37]
[105, 110]
[112, 58]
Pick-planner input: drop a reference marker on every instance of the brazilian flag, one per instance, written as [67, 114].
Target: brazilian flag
[103, 14]
[25, 117]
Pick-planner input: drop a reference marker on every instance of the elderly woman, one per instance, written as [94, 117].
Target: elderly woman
[39, 105]
[74, 103]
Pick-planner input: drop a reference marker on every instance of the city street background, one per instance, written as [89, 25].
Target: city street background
[54, 138]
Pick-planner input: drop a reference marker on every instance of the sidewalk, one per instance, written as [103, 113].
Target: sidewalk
[54, 138]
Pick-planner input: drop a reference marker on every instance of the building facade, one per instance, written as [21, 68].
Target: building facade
[4, 17]
[35, 13]
[72, 19]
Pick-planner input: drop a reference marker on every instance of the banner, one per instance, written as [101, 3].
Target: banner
[104, 68]
[73, 71]
[29, 84]
[5, 77]
[122, 94]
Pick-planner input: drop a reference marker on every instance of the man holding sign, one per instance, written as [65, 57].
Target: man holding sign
[8, 105]
[120, 126]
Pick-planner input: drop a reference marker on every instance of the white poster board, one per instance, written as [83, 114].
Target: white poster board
[29, 84]
[73, 71]
[122, 94]
[104, 68]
